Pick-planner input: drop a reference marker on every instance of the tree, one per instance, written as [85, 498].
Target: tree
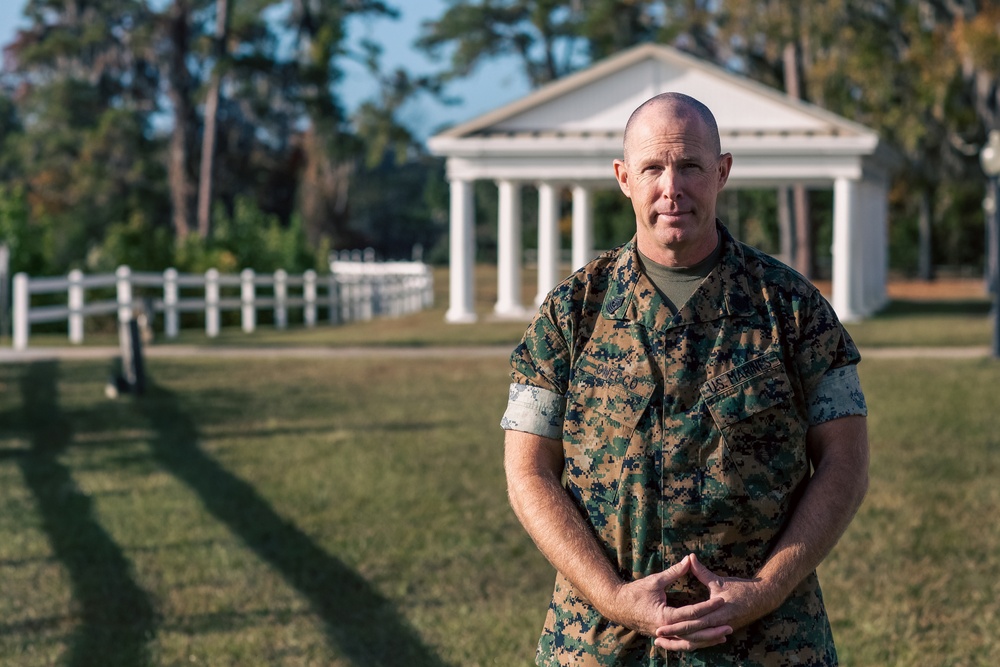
[542, 33]
[177, 29]
[328, 147]
[212, 117]
[84, 100]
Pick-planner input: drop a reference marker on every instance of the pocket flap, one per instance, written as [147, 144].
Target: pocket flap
[749, 388]
[622, 400]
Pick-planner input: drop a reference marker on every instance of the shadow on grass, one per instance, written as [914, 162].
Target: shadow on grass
[899, 308]
[117, 616]
[360, 623]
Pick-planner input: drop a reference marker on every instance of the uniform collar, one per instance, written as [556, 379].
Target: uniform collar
[632, 297]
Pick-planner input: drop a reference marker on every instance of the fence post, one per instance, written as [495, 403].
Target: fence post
[22, 326]
[212, 303]
[332, 296]
[280, 299]
[171, 322]
[4, 289]
[347, 297]
[412, 293]
[75, 299]
[366, 297]
[309, 295]
[123, 286]
[428, 284]
[248, 294]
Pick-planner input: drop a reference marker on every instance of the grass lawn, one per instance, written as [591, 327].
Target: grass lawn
[929, 323]
[352, 512]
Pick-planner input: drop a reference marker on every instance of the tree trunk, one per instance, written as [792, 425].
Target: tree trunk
[803, 254]
[925, 260]
[324, 190]
[211, 119]
[179, 92]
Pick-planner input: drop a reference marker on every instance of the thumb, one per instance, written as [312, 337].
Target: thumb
[703, 574]
[674, 572]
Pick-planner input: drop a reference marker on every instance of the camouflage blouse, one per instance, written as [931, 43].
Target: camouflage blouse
[685, 433]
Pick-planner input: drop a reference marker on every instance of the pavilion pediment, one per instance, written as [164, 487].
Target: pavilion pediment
[598, 101]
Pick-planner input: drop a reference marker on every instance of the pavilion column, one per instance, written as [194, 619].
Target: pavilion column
[848, 286]
[583, 227]
[462, 250]
[509, 250]
[548, 239]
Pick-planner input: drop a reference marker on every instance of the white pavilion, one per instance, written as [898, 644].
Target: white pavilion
[566, 135]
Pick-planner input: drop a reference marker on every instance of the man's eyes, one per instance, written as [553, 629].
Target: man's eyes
[684, 166]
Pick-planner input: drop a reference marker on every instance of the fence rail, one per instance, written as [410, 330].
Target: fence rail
[353, 290]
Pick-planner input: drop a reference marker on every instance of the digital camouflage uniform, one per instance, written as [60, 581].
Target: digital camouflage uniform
[684, 434]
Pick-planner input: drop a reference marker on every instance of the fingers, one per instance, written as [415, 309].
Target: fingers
[689, 635]
[674, 572]
[703, 574]
[688, 619]
[695, 640]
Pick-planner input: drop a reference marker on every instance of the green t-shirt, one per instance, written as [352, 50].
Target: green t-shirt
[677, 284]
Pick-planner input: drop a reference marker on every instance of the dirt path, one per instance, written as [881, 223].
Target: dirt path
[430, 352]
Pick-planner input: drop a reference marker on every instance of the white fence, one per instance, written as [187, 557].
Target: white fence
[354, 290]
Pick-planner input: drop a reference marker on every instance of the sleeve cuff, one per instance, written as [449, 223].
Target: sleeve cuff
[534, 410]
[837, 395]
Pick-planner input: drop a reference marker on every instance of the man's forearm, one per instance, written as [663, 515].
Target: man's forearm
[832, 497]
[554, 522]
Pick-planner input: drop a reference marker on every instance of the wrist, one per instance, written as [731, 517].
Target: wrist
[606, 598]
[773, 587]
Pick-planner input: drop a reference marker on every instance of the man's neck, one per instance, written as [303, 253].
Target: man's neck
[679, 257]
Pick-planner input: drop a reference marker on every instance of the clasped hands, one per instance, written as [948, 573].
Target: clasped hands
[732, 604]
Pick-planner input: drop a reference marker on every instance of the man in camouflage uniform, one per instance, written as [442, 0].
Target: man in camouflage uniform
[685, 456]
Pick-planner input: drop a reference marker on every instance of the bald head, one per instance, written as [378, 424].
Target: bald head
[673, 105]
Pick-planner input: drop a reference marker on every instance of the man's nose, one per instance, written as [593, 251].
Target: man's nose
[670, 184]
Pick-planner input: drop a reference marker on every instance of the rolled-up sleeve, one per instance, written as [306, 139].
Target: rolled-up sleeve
[838, 394]
[534, 410]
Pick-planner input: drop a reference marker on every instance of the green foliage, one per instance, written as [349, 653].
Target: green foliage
[251, 239]
[247, 239]
[614, 219]
[137, 244]
[82, 125]
[25, 239]
[757, 212]
[398, 205]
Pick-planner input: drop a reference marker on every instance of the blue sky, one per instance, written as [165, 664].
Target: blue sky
[489, 87]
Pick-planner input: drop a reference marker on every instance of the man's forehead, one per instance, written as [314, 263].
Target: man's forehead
[656, 117]
[669, 136]
[668, 123]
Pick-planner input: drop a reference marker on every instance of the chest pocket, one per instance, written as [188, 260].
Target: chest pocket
[601, 418]
[752, 407]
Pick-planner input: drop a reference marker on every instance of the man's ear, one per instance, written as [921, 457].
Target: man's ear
[725, 166]
[621, 175]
